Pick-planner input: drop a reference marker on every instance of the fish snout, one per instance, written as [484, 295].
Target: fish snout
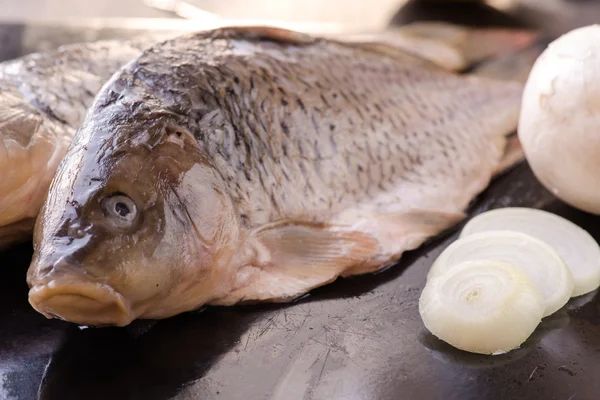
[81, 302]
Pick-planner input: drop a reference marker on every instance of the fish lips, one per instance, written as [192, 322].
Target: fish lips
[80, 302]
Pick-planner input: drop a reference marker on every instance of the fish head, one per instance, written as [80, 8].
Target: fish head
[137, 224]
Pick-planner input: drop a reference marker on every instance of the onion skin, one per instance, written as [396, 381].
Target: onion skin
[483, 306]
[560, 118]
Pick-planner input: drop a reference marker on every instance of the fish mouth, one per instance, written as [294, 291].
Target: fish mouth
[83, 303]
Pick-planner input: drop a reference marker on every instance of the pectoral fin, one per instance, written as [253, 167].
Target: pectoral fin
[399, 231]
[293, 258]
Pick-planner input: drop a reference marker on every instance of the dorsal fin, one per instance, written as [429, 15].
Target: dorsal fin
[423, 51]
[451, 47]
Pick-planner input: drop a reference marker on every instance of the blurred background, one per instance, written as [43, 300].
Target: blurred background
[557, 16]
[38, 25]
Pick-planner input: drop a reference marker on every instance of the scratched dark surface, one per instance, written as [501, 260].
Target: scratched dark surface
[359, 338]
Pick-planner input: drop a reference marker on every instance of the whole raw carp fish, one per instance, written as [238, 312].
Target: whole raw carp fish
[255, 164]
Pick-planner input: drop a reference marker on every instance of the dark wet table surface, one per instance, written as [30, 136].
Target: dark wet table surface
[359, 338]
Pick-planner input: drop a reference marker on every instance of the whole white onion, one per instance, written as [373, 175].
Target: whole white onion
[559, 126]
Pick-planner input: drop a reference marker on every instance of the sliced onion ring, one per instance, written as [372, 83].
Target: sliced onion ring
[540, 262]
[483, 306]
[577, 247]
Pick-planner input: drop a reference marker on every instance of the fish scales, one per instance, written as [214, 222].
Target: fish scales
[361, 107]
[63, 83]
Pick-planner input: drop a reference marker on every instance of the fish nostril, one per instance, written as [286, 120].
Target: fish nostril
[65, 265]
[46, 270]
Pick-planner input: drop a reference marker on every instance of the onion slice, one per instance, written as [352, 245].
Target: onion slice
[540, 262]
[577, 247]
[483, 306]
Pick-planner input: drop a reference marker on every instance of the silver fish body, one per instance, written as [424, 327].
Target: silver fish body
[255, 164]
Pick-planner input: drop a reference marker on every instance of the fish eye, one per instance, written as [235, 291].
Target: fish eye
[121, 210]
